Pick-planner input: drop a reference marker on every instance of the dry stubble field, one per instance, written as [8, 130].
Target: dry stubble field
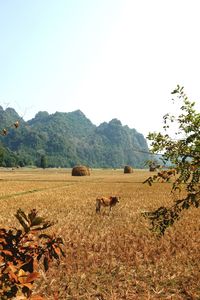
[108, 257]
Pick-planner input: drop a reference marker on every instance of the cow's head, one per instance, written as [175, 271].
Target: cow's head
[114, 199]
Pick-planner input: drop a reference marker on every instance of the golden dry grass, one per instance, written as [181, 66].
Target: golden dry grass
[108, 257]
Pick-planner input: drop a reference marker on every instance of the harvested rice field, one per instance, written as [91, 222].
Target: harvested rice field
[108, 256]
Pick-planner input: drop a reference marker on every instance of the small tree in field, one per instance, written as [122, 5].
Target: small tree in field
[43, 162]
[184, 153]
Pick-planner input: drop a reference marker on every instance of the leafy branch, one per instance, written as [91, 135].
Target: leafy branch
[21, 251]
[184, 154]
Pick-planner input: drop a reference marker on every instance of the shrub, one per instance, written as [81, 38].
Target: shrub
[21, 250]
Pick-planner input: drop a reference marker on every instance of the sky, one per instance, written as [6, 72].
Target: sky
[109, 58]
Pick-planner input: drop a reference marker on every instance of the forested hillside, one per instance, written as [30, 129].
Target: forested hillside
[67, 139]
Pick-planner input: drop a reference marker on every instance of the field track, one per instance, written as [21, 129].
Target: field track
[109, 256]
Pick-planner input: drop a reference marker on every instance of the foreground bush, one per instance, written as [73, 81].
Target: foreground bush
[20, 254]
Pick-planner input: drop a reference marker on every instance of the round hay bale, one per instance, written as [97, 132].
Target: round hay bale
[80, 171]
[128, 169]
[152, 169]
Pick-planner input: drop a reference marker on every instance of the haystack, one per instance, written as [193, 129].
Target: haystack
[128, 169]
[80, 171]
[152, 169]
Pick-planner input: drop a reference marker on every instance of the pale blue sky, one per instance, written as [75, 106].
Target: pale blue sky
[109, 58]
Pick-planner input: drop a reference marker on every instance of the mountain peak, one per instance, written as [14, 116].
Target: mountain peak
[115, 122]
[42, 114]
[78, 112]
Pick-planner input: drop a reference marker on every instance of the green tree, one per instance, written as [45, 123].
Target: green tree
[184, 153]
[43, 162]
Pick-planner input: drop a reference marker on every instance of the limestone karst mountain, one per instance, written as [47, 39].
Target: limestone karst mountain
[68, 139]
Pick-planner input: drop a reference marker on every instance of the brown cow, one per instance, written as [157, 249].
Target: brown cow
[106, 202]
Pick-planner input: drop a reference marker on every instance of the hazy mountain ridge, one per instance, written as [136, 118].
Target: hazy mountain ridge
[67, 139]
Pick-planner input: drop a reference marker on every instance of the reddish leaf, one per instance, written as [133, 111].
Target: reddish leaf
[7, 252]
[37, 297]
[28, 285]
[12, 267]
[57, 250]
[13, 276]
[32, 276]
[22, 275]
[2, 241]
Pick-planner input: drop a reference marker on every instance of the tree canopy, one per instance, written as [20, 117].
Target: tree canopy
[183, 152]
